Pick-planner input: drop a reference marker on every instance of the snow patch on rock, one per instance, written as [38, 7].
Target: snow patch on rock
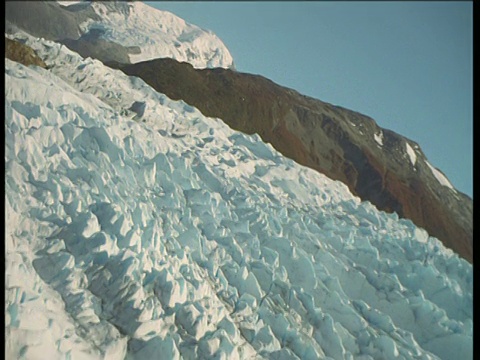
[378, 138]
[158, 34]
[411, 154]
[442, 179]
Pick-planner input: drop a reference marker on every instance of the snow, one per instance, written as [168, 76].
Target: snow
[378, 138]
[411, 154]
[69, 2]
[135, 233]
[157, 34]
[442, 179]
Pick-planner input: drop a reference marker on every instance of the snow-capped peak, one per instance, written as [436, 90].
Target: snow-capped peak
[157, 34]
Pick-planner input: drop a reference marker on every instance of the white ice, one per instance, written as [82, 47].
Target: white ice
[173, 234]
[378, 138]
[411, 154]
[442, 179]
[70, 2]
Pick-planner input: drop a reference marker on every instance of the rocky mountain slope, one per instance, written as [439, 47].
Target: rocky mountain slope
[378, 165]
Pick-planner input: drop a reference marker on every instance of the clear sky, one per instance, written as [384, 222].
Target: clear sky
[408, 65]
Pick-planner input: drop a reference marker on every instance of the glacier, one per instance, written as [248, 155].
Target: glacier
[137, 228]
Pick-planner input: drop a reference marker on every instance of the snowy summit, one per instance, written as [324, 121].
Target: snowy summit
[158, 34]
[125, 32]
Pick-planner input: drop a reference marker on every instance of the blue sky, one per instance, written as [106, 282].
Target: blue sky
[408, 65]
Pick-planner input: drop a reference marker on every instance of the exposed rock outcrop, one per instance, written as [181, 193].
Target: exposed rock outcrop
[21, 53]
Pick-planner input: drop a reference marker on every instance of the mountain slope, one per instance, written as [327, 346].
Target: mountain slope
[137, 226]
[377, 164]
[120, 31]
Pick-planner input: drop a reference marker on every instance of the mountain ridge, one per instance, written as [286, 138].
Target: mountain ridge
[392, 173]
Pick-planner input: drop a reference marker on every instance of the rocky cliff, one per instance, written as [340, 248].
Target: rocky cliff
[21, 53]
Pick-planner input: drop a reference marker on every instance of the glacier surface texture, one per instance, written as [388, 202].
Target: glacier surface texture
[137, 228]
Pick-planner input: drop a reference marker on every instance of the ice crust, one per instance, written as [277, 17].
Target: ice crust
[130, 235]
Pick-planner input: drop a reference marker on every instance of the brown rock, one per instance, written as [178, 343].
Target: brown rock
[22, 53]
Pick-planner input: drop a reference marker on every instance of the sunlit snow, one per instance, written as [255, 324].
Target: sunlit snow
[442, 179]
[411, 154]
[131, 234]
[378, 138]
[158, 34]
[70, 2]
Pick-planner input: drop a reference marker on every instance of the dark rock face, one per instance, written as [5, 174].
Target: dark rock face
[335, 141]
[30, 16]
[21, 53]
[100, 49]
